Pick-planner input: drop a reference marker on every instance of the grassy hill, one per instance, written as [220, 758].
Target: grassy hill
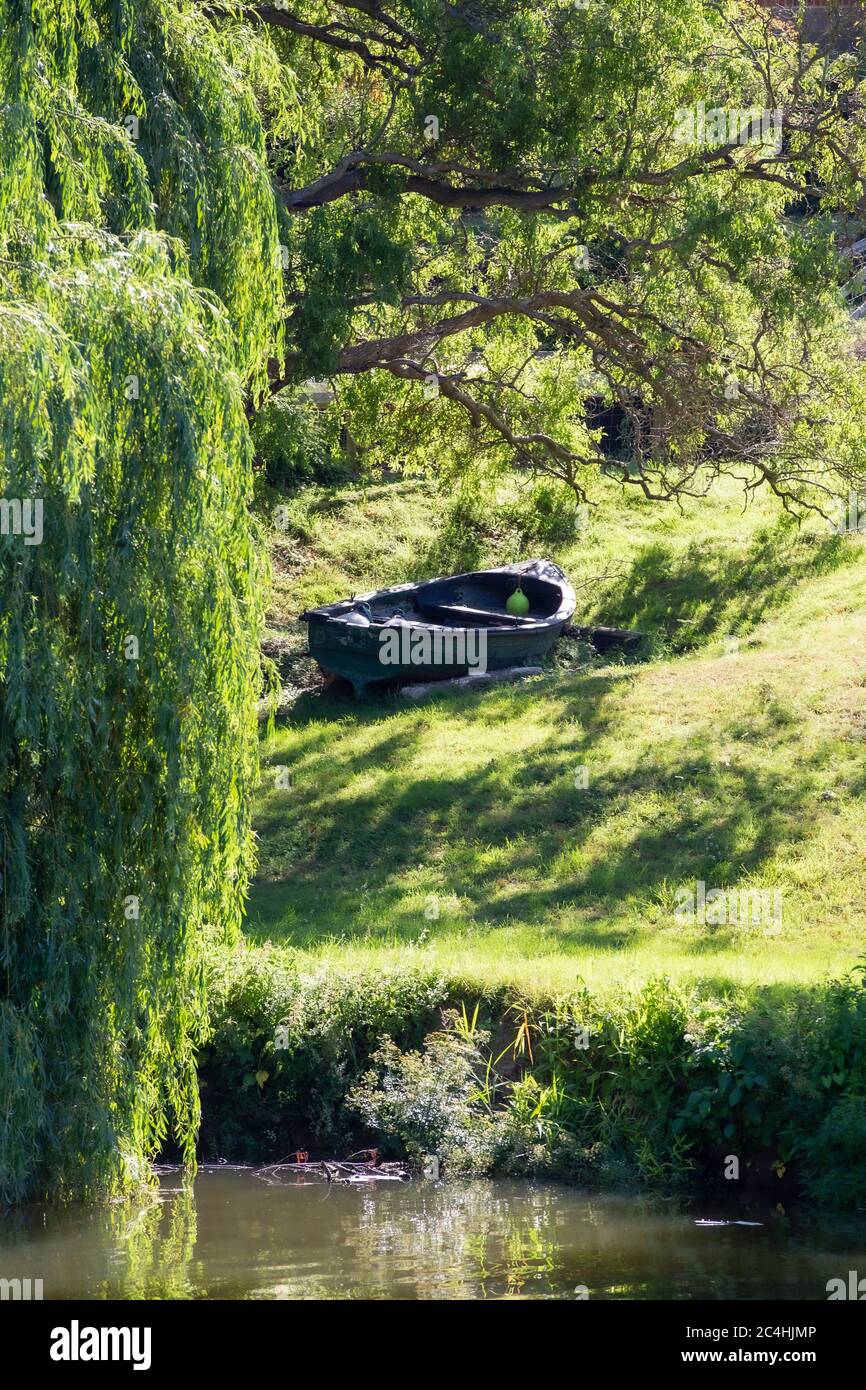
[457, 834]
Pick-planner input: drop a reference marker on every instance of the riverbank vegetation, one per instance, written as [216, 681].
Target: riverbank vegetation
[667, 1086]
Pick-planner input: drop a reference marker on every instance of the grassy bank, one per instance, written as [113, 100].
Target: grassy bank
[454, 836]
[663, 1086]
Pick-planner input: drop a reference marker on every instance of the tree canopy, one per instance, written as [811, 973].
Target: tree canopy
[499, 219]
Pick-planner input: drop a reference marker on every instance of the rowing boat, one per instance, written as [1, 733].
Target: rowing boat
[444, 628]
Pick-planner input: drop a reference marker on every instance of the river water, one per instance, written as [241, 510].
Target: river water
[241, 1233]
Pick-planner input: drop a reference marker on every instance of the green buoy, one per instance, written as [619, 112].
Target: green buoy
[517, 604]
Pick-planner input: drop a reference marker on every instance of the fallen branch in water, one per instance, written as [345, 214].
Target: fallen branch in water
[345, 1171]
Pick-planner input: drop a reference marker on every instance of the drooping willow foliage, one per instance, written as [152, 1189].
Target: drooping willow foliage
[139, 279]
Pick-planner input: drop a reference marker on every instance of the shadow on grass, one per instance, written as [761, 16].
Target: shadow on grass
[694, 595]
[352, 853]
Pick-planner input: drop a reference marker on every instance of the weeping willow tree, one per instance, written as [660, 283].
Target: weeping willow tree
[139, 279]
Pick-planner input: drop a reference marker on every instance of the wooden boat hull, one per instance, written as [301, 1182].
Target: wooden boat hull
[445, 618]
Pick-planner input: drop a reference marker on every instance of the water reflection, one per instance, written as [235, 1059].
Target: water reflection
[233, 1235]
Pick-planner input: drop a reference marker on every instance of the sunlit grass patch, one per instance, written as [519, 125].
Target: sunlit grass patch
[541, 832]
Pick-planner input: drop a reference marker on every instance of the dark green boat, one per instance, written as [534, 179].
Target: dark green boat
[442, 628]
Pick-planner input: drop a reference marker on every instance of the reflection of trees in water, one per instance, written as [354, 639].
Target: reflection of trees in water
[136, 1248]
[421, 1241]
[466, 1240]
[489, 1240]
[493, 1240]
[461, 1240]
[152, 1246]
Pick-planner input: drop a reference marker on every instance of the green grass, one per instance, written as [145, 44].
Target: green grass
[453, 835]
[339, 540]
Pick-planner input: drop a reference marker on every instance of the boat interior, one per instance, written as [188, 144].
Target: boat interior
[476, 600]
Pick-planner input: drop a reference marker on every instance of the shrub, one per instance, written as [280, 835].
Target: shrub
[260, 1099]
[432, 1100]
[294, 441]
[835, 1170]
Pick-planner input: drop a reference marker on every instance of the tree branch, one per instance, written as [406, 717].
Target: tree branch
[276, 17]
